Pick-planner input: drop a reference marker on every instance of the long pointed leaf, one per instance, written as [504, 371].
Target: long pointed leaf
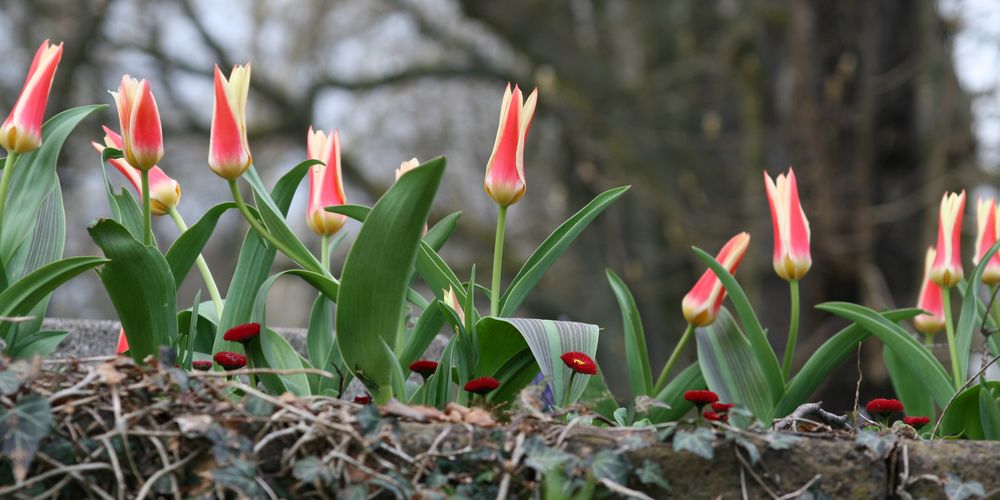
[688, 379]
[185, 251]
[829, 356]
[274, 220]
[552, 248]
[970, 318]
[729, 367]
[375, 279]
[906, 347]
[547, 340]
[640, 374]
[762, 350]
[140, 286]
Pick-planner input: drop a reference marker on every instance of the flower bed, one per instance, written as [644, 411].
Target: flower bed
[186, 436]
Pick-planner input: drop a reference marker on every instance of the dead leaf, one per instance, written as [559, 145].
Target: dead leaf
[109, 374]
[193, 424]
[417, 413]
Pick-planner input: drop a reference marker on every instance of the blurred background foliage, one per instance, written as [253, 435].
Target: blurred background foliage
[689, 101]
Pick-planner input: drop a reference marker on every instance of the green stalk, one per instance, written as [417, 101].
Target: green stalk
[206, 273]
[8, 172]
[929, 340]
[995, 310]
[497, 261]
[261, 230]
[793, 330]
[325, 250]
[661, 381]
[147, 216]
[950, 330]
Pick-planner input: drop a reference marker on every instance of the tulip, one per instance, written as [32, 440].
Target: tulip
[140, 123]
[701, 305]
[947, 268]
[451, 300]
[21, 132]
[791, 229]
[406, 166]
[326, 185]
[229, 150]
[164, 192]
[986, 237]
[930, 301]
[505, 170]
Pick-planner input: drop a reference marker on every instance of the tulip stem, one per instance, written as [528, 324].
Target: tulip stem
[950, 330]
[661, 381]
[8, 172]
[793, 329]
[995, 309]
[147, 216]
[206, 273]
[497, 261]
[325, 251]
[264, 233]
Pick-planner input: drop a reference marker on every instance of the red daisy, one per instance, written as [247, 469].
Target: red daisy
[722, 407]
[230, 360]
[482, 385]
[916, 421]
[712, 416]
[201, 365]
[242, 333]
[363, 399]
[882, 406]
[579, 362]
[701, 398]
[424, 367]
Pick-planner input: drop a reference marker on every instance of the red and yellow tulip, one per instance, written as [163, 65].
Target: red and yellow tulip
[229, 150]
[946, 271]
[326, 184]
[505, 171]
[791, 229]
[21, 132]
[701, 305]
[164, 192]
[986, 236]
[930, 301]
[140, 123]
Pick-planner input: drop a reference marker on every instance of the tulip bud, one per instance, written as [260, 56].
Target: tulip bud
[505, 171]
[21, 132]
[451, 299]
[930, 301]
[326, 185]
[947, 268]
[701, 305]
[229, 150]
[406, 166]
[140, 123]
[791, 229]
[986, 237]
[164, 192]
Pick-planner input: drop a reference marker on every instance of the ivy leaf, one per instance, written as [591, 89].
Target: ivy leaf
[610, 465]
[878, 447]
[24, 427]
[652, 473]
[956, 489]
[311, 469]
[239, 477]
[698, 442]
